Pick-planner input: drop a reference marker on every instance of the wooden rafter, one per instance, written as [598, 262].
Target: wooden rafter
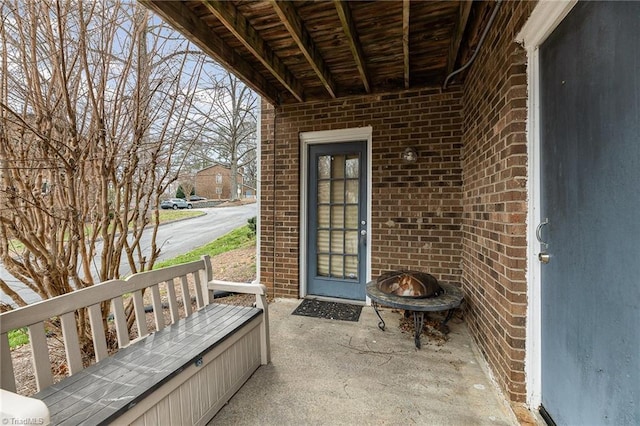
[349, 28]
[289, 17]
[456, 40]
[406, 5]
[239, 26]
[182, 18]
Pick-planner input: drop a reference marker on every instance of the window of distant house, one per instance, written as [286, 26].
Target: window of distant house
[218, 178]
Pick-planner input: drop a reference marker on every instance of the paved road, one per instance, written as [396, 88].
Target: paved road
[173, 238]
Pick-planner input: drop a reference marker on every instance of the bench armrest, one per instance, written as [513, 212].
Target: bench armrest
[261, 302]
[18, 409]
[232, 287]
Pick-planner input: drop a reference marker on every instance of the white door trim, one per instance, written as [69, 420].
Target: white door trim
[324, 137]
[545, 18]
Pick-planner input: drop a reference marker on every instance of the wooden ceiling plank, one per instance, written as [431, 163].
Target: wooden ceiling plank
[406, 6]
[349, 28]
[456, 40]
[183, 19]
[289, 17]
[240, 27]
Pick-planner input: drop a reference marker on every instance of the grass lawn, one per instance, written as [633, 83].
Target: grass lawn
[171, 215]
[238, 238]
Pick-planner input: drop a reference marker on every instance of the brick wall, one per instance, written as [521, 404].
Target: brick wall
[495, 199]
[416, 208]
[207, 184]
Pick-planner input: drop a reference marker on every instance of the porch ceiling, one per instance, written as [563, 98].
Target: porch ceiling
[299, 51]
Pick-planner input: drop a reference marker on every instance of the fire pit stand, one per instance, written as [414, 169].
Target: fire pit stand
[451, 299]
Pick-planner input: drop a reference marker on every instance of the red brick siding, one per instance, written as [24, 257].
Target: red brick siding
[495, 199]
[206, 183]
[416, 208]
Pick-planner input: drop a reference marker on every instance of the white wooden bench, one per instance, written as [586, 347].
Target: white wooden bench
[182, 373]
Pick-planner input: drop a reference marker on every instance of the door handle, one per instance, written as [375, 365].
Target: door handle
[543, 256]
[539, 233]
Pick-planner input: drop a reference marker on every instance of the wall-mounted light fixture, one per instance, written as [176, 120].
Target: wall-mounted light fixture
[409, 155]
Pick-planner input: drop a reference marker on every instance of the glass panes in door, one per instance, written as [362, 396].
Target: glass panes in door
[337, 213]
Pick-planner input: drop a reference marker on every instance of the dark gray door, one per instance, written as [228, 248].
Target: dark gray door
[337, 220]
[590, 153]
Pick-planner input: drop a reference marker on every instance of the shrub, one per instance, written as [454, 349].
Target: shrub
[180, 192]
[253, 223]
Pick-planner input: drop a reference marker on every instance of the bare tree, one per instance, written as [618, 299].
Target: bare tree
[230, 124]
[94, 105]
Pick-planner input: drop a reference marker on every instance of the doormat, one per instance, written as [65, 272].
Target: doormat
[328, 310]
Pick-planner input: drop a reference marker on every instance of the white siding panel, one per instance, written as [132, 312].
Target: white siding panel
[164, 412]
[176, 410]
[184, 393]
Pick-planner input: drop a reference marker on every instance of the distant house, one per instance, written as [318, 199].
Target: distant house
[214, 183]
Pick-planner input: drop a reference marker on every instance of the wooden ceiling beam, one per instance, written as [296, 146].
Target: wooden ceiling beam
[240, 27]
[299, 33]
[456, 40]
[349, 28]
[183, 19]
[406, 6]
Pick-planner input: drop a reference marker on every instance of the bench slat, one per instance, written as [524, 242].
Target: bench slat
[199, 298]
[7, 380]
[156, 302]
[120, 319]
[97, 332]
[71, 342]
[141, 320]
[206, 276]
[106, 390]
[173, 303]
[186, 297]
[40, 356]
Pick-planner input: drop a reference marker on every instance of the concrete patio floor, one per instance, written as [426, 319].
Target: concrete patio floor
[329, 372]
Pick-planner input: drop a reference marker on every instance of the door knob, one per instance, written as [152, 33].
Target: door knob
[544, 257]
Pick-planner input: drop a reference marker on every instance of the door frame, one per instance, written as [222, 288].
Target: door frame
[328, 137]
[544, 19]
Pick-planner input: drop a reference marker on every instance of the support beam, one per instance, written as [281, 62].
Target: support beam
[406, 5]
[290, 19]
[456, 40]
[240, 27]
[183, 19]
[349, 28]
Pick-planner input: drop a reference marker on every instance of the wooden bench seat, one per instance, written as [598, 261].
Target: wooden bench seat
[182, 373]
[104, 392]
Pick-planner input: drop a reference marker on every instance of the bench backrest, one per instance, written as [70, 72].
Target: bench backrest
[64, 308]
